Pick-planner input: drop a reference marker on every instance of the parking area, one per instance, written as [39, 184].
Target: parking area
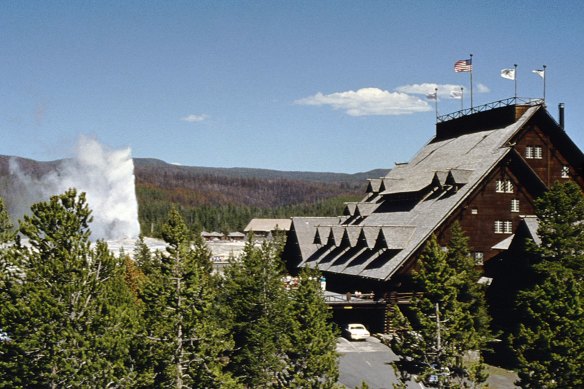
[366, 361]
[370, 360]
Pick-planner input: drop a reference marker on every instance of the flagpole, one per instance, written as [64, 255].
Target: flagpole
[471, 102]
[436, 102]
[461, 98]
[515, 79]
[544, 84]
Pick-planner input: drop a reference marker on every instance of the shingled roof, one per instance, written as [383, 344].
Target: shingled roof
[401, 210]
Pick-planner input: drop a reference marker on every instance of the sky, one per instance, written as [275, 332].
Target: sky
[325, 86]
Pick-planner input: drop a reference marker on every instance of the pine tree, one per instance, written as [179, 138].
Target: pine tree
[260, 315]
[549, 342]
[312, 355]
[6, 226]
[443, 331]
[475, 326]
[65, 306]
[187, 345]
[142, 255]
[560, 212]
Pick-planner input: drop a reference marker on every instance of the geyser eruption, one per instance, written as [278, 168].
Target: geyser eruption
[105, 175]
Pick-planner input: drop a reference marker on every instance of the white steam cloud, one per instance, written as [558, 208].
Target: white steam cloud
[105, 175]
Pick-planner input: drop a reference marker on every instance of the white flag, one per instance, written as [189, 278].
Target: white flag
[508, 74]
[432, 96]
[456, 94]
[539, 72]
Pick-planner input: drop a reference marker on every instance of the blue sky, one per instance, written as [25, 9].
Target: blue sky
[290, 85]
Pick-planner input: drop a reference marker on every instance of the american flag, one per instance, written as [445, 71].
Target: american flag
[464, 65]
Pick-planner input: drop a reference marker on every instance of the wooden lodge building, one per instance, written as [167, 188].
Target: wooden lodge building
[483, 168]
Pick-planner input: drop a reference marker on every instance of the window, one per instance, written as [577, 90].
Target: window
[474, 211]
[503, 227]
[504, 186]
[538, 153]
[533, 152]
[508, 227]
[515, 205]
[565, 172]
[478, 257]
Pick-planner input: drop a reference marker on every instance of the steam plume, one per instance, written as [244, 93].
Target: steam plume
[105, 175]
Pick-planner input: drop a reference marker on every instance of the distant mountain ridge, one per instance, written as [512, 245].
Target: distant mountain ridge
[40, 167]
[264, 173]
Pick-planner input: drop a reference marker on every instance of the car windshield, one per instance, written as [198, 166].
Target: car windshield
[356, 327]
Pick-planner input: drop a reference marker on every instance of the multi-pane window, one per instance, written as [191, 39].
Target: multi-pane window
[503, 227]
[479, 257]
[515, 205]
[533, 152]
[537, 152]
[507, 227]
[504, 186]
[565, 172]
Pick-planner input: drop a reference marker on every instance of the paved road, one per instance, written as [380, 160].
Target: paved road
[370, 361]
[367, 361]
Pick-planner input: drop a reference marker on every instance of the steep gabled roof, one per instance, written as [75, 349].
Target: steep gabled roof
[350, 209]
[267, 225]
[415, 199]
[365, 209]
[304, 229]
[395, 237]
[374, 185]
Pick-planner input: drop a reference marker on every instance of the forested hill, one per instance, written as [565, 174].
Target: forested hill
[225, 199]
[263, 188]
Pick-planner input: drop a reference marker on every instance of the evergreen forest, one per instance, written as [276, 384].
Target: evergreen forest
[73, 314]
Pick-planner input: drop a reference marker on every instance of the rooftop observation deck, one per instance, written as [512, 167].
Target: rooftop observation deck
[498, 114]
[520, 101]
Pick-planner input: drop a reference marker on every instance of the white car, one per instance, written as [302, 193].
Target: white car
[356, 331]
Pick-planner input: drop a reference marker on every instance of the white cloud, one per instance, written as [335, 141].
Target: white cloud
[369, 101]
[445, 91]
[482, 88]
[195, 118]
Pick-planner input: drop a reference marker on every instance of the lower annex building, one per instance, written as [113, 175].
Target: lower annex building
[483, 168]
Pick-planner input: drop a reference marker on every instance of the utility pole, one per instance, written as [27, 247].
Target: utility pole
[438, 340]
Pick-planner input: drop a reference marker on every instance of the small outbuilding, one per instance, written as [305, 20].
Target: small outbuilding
[265, 228]
[208, 236]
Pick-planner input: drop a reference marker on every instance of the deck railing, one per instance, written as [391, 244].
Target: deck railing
[489, 106]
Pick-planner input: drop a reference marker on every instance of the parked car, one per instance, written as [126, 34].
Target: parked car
[437, 375]
[356, 331]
